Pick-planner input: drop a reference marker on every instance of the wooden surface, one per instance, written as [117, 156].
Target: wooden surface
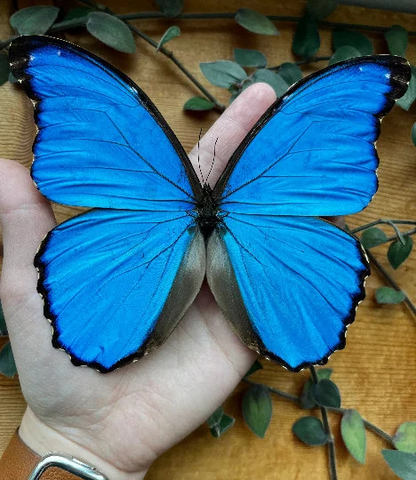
[376, 371]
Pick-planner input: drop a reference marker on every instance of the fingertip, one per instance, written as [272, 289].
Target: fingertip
[261, 93]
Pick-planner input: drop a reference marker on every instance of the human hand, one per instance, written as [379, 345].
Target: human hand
[121, 421]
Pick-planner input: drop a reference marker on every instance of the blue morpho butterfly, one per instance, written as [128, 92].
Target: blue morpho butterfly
[117, 279]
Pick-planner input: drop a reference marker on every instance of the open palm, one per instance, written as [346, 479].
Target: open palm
[123, 420]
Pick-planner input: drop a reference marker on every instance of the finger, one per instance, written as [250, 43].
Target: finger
[26, 217]
[230, 129]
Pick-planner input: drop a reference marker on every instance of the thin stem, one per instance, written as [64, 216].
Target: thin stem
[327, 428]
[397, 231]
[407, 233]
[390, 280]
[280, 393]
[303, 62]
[383, 221]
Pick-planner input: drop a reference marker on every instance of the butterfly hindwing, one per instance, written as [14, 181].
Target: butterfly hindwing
[117, 282]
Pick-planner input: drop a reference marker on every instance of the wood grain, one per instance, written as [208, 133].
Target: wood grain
[376, 370]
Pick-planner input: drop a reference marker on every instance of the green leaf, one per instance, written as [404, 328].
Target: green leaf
[373, 237]
[4, 68]
[306, 398]
[320, 9]
[403, 464]
[249, 58]
[326, 393]
[397, 39]
[341, 38]
[389, 295]
[219, 422]
[111, 31]
[7, 365]
[254, 368]
[310, 431]
[344, 53]
[306, 41]
[170, 33]
[410, 96]
[354, 435]
[255, 22]
[290, 73]
[223, 73]
[405, 437]
[3, 327]
[198, 104]
[257, 409]
[413, 134]
[170, 8]
[398, 252]
[34, 20]
[78, 13]
[272, 79]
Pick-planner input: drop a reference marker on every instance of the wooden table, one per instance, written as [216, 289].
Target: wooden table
[376, 371]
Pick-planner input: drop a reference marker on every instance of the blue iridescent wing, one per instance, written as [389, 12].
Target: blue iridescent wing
[101, 142]
[288, 282]
[117, 279]
[313, 151]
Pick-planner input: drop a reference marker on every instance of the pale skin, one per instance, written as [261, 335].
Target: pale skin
[122, 421]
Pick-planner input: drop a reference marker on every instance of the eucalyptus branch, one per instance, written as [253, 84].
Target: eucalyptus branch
[327, 428]
[273, 18]
[339, 410]
[304, 62]
[390, 281]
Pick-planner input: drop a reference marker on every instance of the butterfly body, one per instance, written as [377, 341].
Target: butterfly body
[117, 279]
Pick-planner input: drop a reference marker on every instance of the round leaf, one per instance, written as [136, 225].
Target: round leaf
[34, 20]
[398, 252]
[397, 39]
[389, 295]
[410, 96]
[306, 41]
[354, 435]
[257, 409]
[249, 58]
[403, 464]
[290, 73]
[272, 79]
[255, 22]
[170, 33]
[320, 9]
[306, 398]
[215, 418]
[170, 8]
[225, 424]
[405, 438]
[326, 393]
[413, 134]
[198, 104]
[344, 53]
[223, 73]
[341, 38]
[111, 31]
[7, 365]
[373, 237]
[310, 431]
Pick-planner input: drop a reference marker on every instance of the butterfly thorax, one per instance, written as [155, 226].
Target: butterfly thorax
[208, 213]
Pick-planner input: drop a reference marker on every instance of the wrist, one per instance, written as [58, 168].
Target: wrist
[43, 439]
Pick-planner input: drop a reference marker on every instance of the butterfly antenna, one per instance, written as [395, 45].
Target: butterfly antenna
[199, 162]
[213, 160]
